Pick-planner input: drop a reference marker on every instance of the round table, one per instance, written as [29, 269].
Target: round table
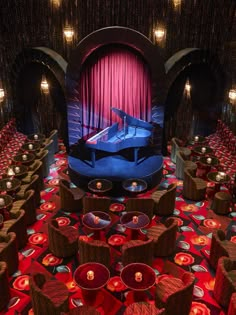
[100, 186]
[134, 185]
[213, 177]
[135, 221]
[36, 137]
[138, 277]
[198, 150]
[209, 161]
[24, 158]
[91, 277]
[96, 221]
[15, 185]
[32, 147]
[19, 170]
[197, 139]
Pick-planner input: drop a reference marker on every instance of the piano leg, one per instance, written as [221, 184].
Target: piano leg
[136, 155]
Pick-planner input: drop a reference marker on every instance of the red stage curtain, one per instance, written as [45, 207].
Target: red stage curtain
[114, 77]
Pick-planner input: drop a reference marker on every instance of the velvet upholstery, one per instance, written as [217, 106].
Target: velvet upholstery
[143, 308]
[9, 251]
[71, 198]
[28, 204]
[33, 184]
[35, 169]
[49, 296]
[63, 240]
[221, 203]
[96, 204]
[144, 205]
[182, 162]
[137, 251]
[54, 137]
[82, 310]
[4, 286]
[175, 295]
[42, 155]
[164, 200]
[194, 188]
[164, 237]
[232, 305]
[49, 146]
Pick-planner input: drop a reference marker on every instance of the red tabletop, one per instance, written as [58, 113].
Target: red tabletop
[100, 272]
[129, 273]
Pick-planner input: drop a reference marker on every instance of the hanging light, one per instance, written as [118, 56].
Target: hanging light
[2, 95]
[159, 34]
[176, 3]
[232, 95]
[187, 87]
[56, 3]
[44, 85]
[68, 33]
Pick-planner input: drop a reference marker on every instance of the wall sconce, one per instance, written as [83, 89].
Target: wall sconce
[160, 33]
[56, 3]
[2, 95]
[232, 95]
[44, 85]
[176, 3]
[68, 33]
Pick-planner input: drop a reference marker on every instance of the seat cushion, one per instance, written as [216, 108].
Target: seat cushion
[168, 286]
[56, 291]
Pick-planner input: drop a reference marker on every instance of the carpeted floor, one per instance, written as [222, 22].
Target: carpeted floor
[196, 223]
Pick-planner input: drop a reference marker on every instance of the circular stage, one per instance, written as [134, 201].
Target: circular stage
[116, 168]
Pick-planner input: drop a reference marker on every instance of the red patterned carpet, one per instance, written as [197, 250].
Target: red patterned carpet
[196, 223]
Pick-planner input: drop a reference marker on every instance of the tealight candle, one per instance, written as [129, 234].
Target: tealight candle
[90, 275]
[96, 220]
[30, 146]
[9, 185]
[10, 172]
[218, 177]
[99, 185]
[135, 219]
[134, 184]
[138, 276]
[36, 137]
[24, 157]
[222, 175]
[209, 160]
[2, 202]
[17, 169]
[203, 150]
[196, 138]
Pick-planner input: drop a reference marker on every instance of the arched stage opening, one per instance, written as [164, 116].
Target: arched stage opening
[114, 67]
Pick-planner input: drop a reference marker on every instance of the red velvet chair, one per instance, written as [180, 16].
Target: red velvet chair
[4, 286]
[232, 305]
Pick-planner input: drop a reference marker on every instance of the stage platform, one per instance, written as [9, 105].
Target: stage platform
[116, 168]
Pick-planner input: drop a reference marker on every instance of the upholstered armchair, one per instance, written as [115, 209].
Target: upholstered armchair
[4, 286]
[82, 310]
[164, 200]
[94, 251]
[194, 188]
[54, 137]
[137, 251]
[220, 246]
[96, 203]
[175, 294]
[27, 204]
[71, 198]
[49, 146]
[49, 296]
[175, 145]
[221, 202]
[17, 224]
[33, 184]
[63, 240]
[9, 251]
[35, 169]
[164, 237]
[144, 205]
[182, 162]
[225, 284]
[42, 155]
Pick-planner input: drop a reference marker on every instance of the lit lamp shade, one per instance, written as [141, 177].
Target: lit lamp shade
[68, 33]
[232, 95]
[44, 85]
[2, 95]
[160, 33]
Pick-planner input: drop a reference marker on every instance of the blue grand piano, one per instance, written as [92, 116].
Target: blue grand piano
[134, 133]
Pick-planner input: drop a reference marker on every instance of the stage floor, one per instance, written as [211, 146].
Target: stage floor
[116, 168]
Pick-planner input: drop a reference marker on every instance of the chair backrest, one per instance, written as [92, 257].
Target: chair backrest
[29, 207]
[144, 205]
[96, 204]
[175, 144]
[54, 136]
[43, 157]
[71, 199]
[4, 285]
[217, 249]
[9, 251]
[49, 146]
[137, 251]
[94, 251]
[166, 204]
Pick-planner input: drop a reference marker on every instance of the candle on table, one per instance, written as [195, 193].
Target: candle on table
[138, 276]
[17, 169]
[196, 138]
[90, 275]
[36, 137]
[203, 150]
[2, 202]
[9, 185]
[209, 160]
[218, 177]
[99, 185]
[222, 175]
[30, 146]
[135, 219]
[96, 219]
[24, 157]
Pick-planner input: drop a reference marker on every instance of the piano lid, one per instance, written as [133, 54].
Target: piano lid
[132, 121]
